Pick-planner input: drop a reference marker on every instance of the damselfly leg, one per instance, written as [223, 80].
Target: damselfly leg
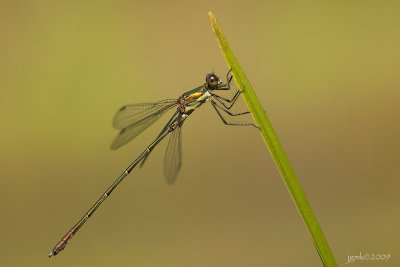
[226, 107]
[216, 107]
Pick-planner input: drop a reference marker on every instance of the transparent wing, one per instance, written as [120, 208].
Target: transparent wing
[134, 126]
[173, 118]
[173, 156]
[130, 114]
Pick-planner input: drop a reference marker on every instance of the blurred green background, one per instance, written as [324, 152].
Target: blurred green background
[326, 73]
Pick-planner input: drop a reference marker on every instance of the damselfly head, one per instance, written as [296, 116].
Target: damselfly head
[213, 81]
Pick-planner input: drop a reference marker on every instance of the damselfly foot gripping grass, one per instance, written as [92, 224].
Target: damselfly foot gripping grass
[133, 119]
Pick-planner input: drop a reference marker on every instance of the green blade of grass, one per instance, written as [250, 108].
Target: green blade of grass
[275, 148]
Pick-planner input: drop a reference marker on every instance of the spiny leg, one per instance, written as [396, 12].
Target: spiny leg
[227, 87]
[231, 101]
[227, 111]
[227, 76]
[215, 106]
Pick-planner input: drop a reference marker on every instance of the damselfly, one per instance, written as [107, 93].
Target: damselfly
[133, 119]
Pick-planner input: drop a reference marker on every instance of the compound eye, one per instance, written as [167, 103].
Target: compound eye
[213, 80]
